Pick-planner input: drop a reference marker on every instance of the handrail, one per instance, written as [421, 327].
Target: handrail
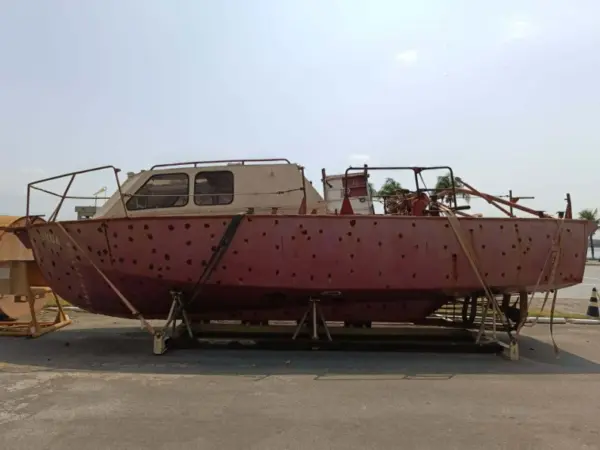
[65, 195]
[70, 197]
[220, 161]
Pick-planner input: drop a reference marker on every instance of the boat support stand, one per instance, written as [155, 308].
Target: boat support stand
[314, 310]
[169, 330]
[511, 350]
[179, 304]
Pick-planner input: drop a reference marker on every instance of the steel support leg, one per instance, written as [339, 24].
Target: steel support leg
[511, 351]
[177, 312]
[314, 310]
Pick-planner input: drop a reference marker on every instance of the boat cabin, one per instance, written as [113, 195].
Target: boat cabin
[229, 187]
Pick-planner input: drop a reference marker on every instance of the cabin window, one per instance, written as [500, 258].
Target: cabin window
[167, 190]
[213, 188]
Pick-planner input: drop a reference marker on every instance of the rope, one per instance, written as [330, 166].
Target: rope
[127, 303]
[470, 254]
[556, 250]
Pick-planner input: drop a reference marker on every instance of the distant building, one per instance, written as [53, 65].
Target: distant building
[85, 212]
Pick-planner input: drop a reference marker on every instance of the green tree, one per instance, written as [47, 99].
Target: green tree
[592, 215]
[389, 188]
[444, 182]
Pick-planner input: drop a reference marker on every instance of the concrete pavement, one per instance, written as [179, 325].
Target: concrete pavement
[96, 385]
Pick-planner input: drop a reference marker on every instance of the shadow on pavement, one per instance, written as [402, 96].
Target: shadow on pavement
[129, 350]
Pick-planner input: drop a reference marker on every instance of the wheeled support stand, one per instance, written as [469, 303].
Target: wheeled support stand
[314, 310]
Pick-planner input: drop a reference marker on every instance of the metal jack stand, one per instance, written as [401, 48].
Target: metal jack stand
[512, 351]
[315, 310]
[177, 312]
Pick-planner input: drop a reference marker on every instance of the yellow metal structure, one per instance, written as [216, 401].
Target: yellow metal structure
[23, 289]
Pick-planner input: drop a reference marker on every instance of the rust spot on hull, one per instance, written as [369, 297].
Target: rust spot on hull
[379, 274]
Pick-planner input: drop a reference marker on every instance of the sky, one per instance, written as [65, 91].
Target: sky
[506, 93]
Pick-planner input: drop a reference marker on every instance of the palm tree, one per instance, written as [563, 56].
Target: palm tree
[444, 182]
[592, 215]
[389, 188]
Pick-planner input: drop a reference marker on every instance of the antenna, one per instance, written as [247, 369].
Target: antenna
[98, 192]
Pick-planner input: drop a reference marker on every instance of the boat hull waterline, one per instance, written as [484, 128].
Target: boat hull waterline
[385, 268]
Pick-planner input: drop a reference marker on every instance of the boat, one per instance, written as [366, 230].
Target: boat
[253, 240]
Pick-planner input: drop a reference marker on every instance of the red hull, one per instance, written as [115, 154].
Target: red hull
[388, 268]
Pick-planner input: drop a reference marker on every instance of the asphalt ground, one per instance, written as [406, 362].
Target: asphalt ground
[97, 385]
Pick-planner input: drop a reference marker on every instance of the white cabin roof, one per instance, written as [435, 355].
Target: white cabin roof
[221, 187]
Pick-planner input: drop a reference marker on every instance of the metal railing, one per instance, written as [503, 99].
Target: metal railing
[220, 161]
[124, 197]
[32, 186]
[417, 173]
